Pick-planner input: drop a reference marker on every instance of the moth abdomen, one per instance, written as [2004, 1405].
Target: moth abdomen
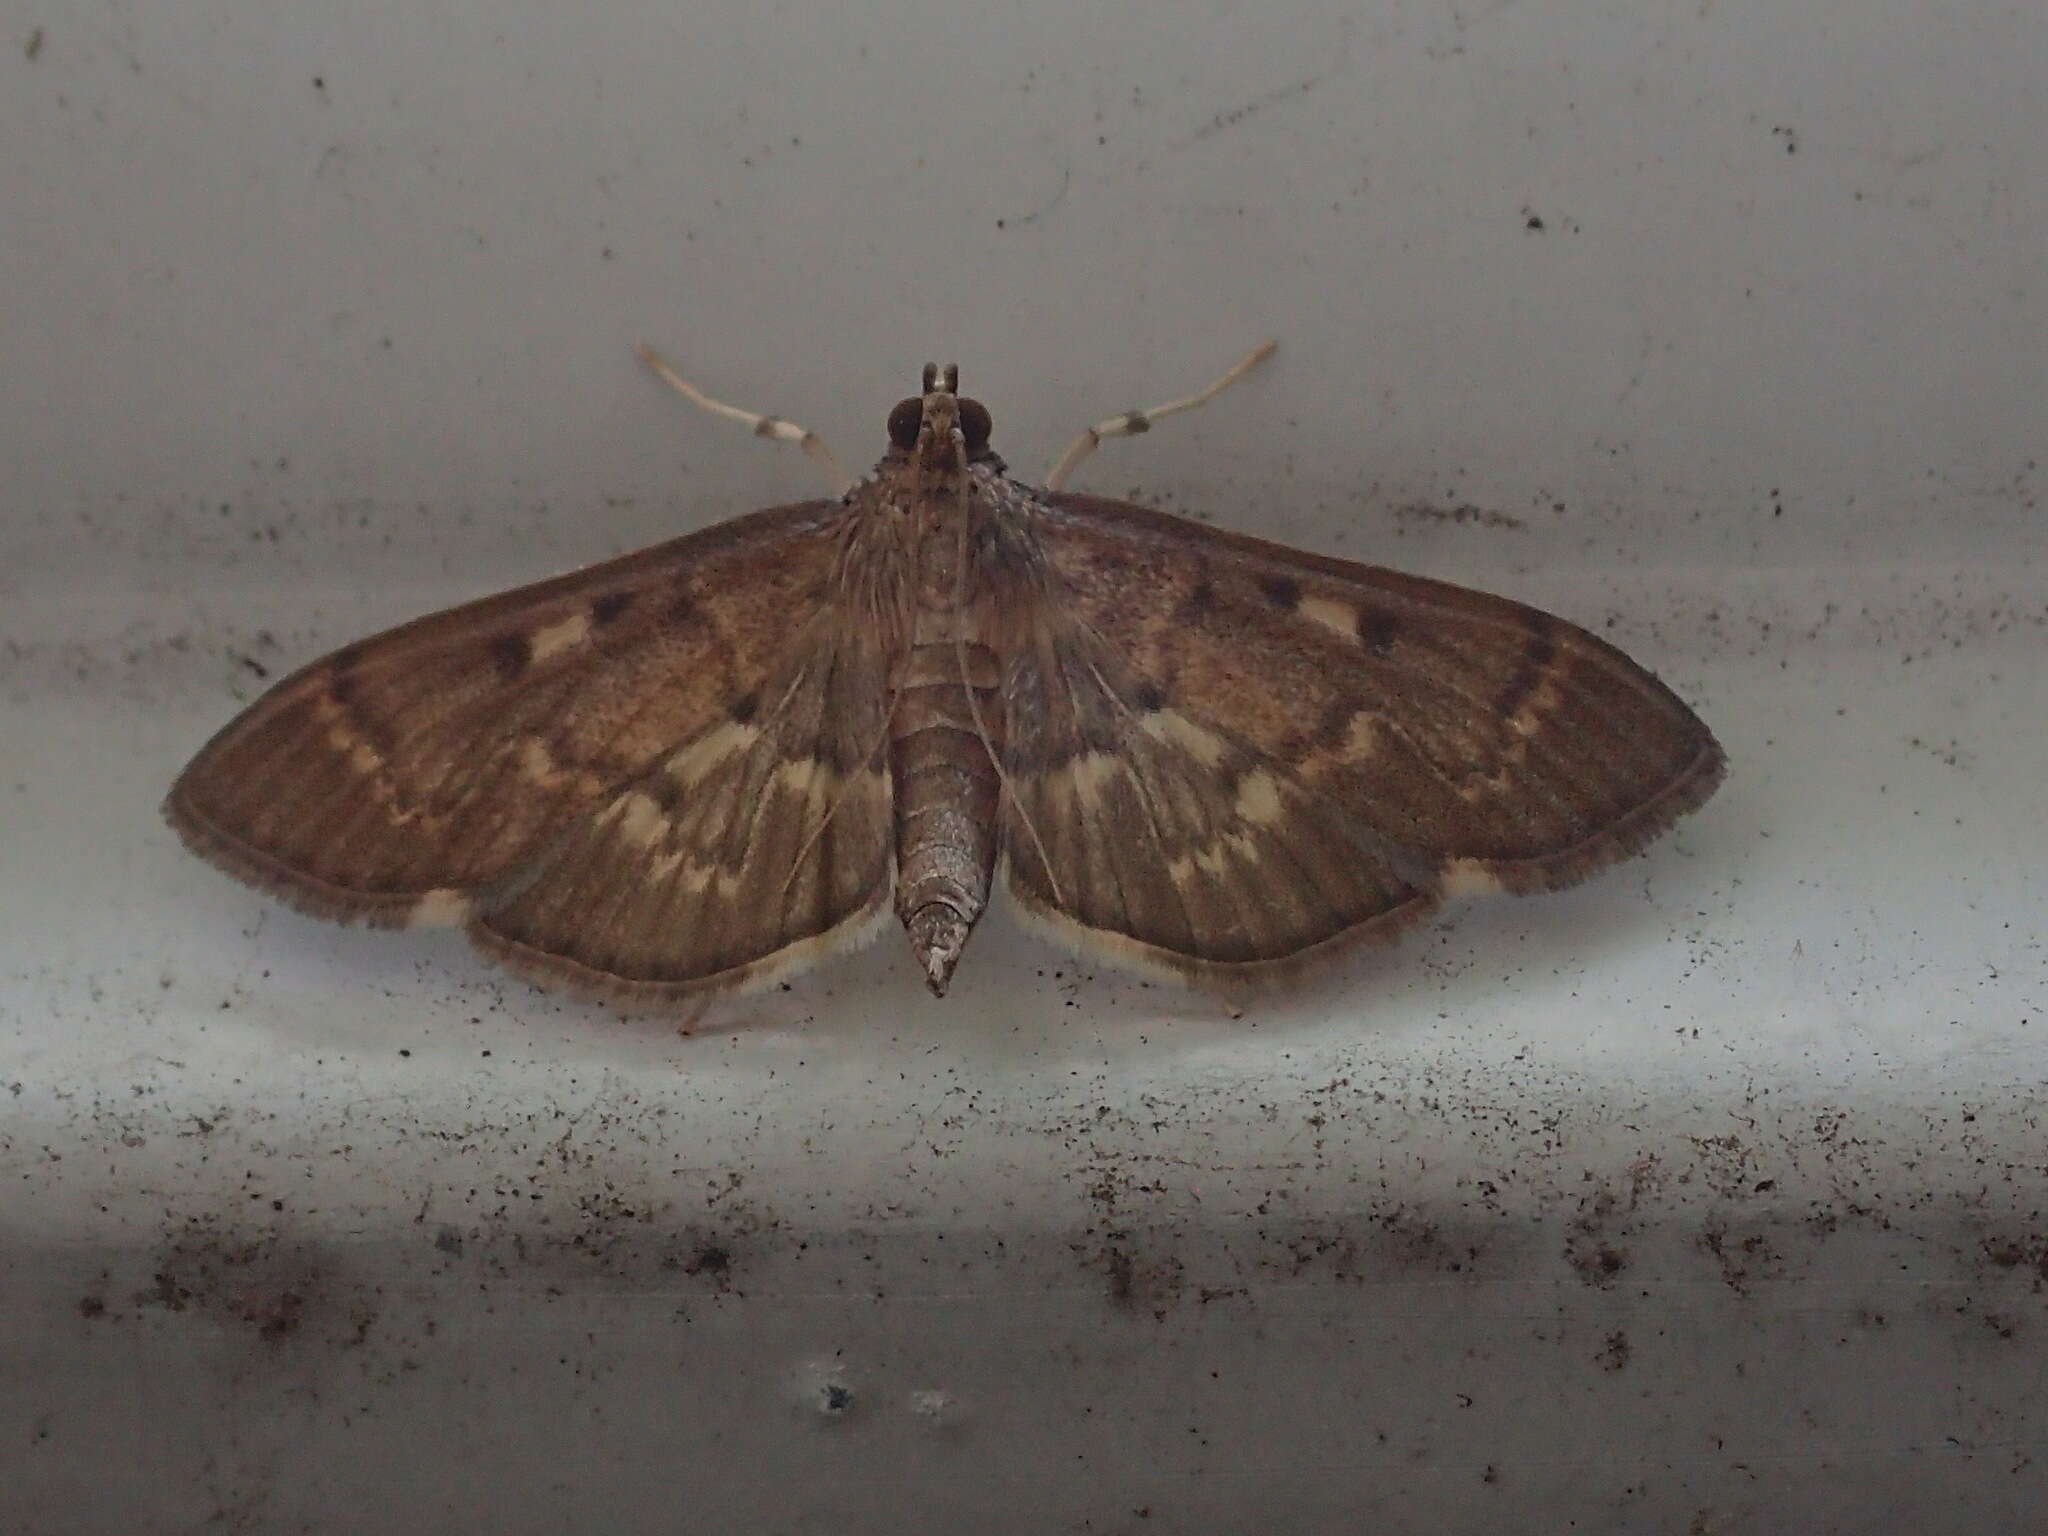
[947, 720]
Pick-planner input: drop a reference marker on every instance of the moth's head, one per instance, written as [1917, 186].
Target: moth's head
[941, 415]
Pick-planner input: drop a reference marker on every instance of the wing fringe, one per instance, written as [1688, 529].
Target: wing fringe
[1619, 840]
[1228, 980]
[559, 973]
[280, 881]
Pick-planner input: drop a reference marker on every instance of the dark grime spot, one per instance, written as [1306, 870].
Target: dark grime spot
[711, 1259]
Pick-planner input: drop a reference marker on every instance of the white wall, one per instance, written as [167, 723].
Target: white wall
[1703, 1197]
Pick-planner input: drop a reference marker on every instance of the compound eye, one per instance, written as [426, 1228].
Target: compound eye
[975, 424]
[904, 421]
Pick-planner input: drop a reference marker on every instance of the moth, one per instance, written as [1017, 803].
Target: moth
[702, 767]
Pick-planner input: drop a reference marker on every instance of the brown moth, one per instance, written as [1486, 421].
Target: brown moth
[701, 767]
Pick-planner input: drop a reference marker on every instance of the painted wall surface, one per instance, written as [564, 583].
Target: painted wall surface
[1705, 1197]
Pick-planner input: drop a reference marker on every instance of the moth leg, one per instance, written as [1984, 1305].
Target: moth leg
[773, 428]
[1131, 423]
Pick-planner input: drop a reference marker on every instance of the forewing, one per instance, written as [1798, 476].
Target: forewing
[1167, 842]
[741, 856]
[1483, 743]
[387, 780]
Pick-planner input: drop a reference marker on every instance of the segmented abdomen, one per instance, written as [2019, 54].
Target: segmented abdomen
[946, 792]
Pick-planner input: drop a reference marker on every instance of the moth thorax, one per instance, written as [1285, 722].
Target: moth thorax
[943, 588]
